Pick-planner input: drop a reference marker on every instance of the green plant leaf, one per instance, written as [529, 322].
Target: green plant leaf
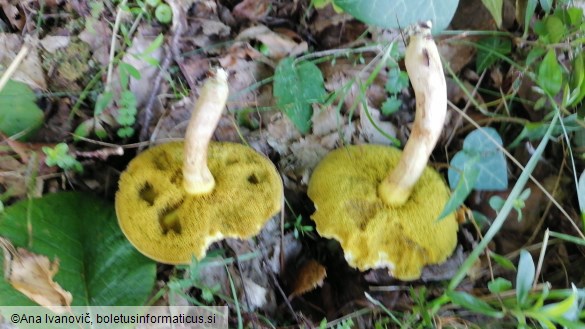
[397, 80]
[296, 87]
[502, 261]
[536, 130]
[546, 5]
[550, 75]
[471, 303]
[467, 167]
[581, 192]
[394, 14]
[23, 113]
[524, 277]
[530, 8]
[577, 81]
[488, 50]
[103, 101]
[391, 105]
[567, 308]
[495, 9]
[499, 285]
[164, 13]
[98, 266]
[493, 174]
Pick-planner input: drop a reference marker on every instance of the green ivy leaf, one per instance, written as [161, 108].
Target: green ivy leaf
[394, 14]
[524, 277]
[296, 87]
[493, 174]
[97, 264]
[474, 304]
[495, 9]
[550, 75]
[18, 110]
[489, 50]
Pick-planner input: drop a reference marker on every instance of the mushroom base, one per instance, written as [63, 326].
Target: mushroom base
[344, 189]
[168, 225]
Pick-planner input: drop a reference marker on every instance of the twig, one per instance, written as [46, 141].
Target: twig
[101, 154]
[24, 50]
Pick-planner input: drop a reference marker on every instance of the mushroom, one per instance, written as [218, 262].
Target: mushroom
[177, 198]
[382, 204]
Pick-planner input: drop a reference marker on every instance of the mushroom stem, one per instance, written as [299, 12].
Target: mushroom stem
[425, 71]
[197, 179]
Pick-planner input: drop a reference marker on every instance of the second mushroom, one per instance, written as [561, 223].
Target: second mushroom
[175, 199]
[382, 204]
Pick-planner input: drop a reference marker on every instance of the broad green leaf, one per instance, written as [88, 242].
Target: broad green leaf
[474, 304]
[18, 110]
[567, 308]
[575, 16]
[98, 266]
[524, 277]
[488, 50]
[394, 14]
[499, 285]
[550, 75]
[493, 174]
[495, 9]
[296, 87]
[555, 29]
[463, 187]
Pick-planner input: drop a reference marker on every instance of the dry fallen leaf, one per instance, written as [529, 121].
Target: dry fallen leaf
[309, 277]
[32, 275]
[29, 71]
[253, 10]
[279, 45]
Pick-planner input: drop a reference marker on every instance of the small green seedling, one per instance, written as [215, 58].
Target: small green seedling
[59, 156]
[299, 227]
[496, 202]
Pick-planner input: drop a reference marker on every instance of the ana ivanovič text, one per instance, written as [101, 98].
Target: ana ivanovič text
[88, 318]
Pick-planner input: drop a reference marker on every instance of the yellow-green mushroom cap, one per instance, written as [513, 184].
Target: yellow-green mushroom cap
[169, 225]
[344, 189]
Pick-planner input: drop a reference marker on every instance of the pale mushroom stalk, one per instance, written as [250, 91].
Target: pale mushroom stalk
[425, 71]
[197, 179]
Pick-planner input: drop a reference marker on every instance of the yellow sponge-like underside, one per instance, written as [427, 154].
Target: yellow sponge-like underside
[403, 239]
[166, 224]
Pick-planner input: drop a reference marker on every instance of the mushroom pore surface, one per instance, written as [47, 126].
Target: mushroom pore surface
[168, 225]
[344, 189]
